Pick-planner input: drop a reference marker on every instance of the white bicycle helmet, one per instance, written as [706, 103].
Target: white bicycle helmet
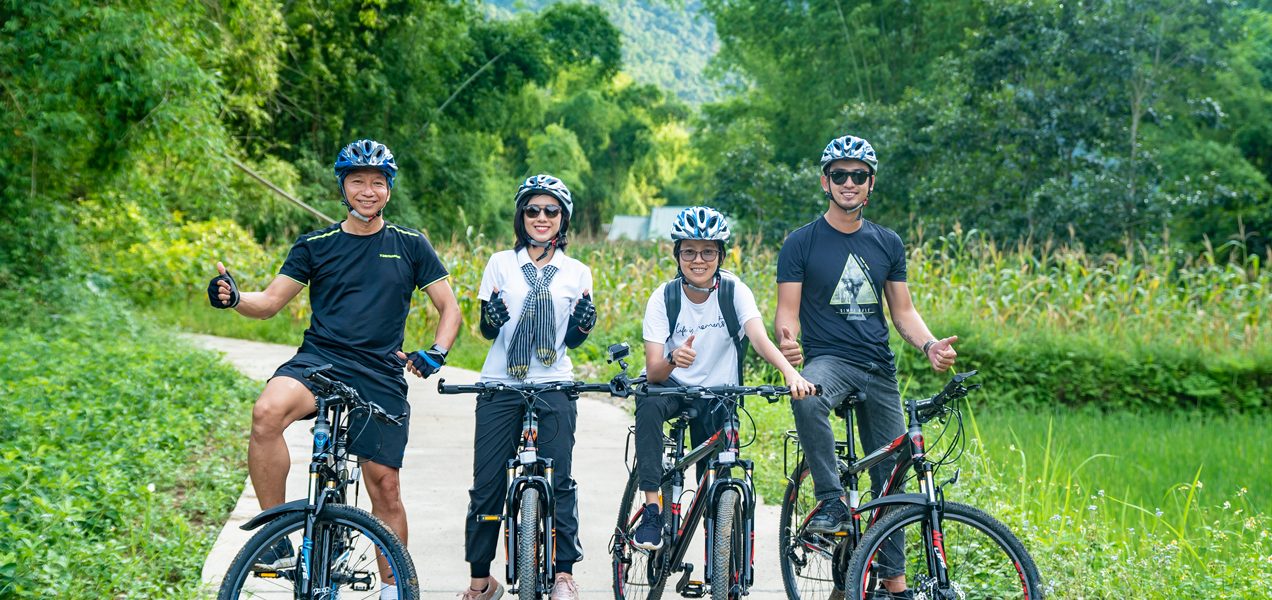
[545, 184]
[849, 147]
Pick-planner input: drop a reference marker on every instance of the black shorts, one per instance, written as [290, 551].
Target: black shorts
[382, 443]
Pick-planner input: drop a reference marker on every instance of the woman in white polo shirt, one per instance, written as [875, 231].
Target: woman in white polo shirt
[535, 304]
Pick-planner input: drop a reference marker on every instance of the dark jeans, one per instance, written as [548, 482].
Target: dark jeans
[651, 413]
[498, 430]
[879, 421]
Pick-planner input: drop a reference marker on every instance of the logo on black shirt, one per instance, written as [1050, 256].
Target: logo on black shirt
[854, 298]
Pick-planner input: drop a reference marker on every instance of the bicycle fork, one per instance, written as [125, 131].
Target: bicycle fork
[517, 484]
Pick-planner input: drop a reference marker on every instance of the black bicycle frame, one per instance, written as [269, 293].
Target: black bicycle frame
[716, 479]
[529, 470]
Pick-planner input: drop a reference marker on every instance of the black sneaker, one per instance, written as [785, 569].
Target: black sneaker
[278, 557]
[883, 594]
[648, 534]
[830, 517]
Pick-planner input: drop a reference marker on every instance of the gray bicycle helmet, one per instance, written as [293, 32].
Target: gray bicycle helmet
[849, 147]
[545, 184]
[700, 223]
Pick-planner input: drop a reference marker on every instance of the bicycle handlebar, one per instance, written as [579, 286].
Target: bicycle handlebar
[952, 391]
[339, 391]
[491, 387]
[771, 392]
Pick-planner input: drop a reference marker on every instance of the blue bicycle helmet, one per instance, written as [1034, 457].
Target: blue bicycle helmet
[700, 223]
[849, 147]
[364, 154]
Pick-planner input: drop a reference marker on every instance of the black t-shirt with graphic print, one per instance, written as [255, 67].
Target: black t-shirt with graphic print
[843, 275]
[360, 290]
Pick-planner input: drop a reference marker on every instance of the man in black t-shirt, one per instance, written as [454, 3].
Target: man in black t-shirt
[361, 274]
[833, 276]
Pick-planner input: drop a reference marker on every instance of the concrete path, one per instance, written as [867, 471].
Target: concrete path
[438, 471]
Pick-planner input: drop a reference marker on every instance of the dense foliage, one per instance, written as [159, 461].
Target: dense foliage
[119, 460]
[1102, 120]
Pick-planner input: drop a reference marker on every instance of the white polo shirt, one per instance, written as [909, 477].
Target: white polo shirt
[717, 360]
[503, 272]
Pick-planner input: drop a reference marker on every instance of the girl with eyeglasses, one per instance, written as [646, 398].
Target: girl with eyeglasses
[694, 346]
[535, 305]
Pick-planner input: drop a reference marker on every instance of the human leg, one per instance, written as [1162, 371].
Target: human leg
[497, 423]
[879, 421]
[557, 418]
[282, 402]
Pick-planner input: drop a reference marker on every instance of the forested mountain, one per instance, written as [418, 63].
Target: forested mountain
[665, 42]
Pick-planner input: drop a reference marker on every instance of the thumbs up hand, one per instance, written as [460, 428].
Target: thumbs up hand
[684, 356]
[790, 347]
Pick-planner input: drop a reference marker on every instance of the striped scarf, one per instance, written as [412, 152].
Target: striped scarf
[536, 331]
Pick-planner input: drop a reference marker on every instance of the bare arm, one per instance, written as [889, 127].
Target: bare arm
[657, 369]
[765, 348]
[910, 326]
[449, 316]
[786, 322]
[267, 303]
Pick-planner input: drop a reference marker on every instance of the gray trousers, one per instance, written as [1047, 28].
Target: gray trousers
[879, 421]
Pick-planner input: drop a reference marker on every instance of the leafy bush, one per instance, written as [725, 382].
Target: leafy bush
[120, 460]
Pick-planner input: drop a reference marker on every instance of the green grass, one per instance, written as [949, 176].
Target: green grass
[122, 451]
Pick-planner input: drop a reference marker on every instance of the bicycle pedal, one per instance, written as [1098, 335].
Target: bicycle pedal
[487, 518]
[693, 589]
[362, 581]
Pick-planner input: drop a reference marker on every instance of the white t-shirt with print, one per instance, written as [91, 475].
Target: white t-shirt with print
[717, 359]
[503, 272]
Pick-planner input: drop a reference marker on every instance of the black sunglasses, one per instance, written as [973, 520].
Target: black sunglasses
[533, 211]
[858, 177]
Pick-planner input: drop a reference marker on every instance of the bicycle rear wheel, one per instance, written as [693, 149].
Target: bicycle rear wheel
[728, 557]
[529, 546]
[343, 557]
[808, 559]
[638, 573]
[983, 559]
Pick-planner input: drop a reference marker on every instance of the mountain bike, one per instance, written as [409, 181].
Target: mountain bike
[949, 550]
[529, 520]
[725, 498]
[339, 544]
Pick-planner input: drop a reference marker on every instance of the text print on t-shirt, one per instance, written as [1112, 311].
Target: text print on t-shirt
[683, 331]
[854, 298]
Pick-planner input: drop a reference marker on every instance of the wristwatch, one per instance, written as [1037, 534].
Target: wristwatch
[927, 345]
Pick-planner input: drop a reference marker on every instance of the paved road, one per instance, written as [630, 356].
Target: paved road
[437, 474]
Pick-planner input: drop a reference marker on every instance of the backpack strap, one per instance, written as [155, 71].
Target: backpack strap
[671, 300]
[730, 312]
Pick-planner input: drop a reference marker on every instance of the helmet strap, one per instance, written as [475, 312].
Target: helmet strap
[715, 283]
[547, 246]
[848, 211]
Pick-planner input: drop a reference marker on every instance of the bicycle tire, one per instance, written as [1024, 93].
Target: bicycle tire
[982, 557]
[808, 559]
[349, 536]
[727, 555]
[529, 546]
[638, 574]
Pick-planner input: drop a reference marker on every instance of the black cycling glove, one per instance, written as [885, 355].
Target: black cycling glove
[494, 313]
[584, 316]
[214, 291]
[428, 361]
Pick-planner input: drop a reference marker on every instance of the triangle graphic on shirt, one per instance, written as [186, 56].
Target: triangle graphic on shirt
[854, 290]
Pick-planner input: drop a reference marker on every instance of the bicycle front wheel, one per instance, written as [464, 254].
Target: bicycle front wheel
[637, 572]
[346, 546]
[726, 562]
[529, 546]
[808, 559]
[982, 558]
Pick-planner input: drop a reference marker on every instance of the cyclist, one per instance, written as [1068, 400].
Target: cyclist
[832, 277]
[701, 326]
[361, 274]
[535, 304]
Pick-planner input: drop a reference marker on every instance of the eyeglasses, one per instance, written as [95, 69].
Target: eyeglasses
[533, 210]
[692, 255]
[858, 177]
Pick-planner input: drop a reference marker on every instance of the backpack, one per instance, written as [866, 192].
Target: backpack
[671, 299]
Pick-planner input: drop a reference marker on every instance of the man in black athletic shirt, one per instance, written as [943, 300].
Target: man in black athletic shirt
[361, 274]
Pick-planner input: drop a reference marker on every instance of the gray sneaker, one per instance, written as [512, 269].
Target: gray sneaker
[830, 517]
